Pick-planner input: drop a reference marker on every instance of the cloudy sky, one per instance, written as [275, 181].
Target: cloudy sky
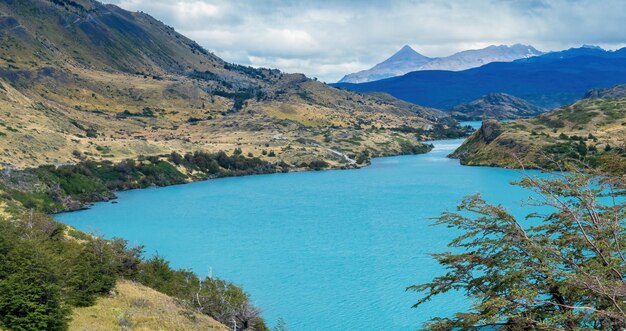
[327, 39]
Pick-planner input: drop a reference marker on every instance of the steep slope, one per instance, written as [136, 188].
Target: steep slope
[500, 106]
[92, 35]
[407, 60]
[137, 307]
[403, 61]
[85, 81]
[591, 131]
[548, 81]
[52, 274]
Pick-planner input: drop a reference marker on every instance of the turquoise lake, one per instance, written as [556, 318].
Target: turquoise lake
[328, 250]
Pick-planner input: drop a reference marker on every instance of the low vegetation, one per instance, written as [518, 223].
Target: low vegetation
[94, 98]
[589, 132]
[499, 106]
[450, 130]
[48, 269]
[69, 187]
[132, 306]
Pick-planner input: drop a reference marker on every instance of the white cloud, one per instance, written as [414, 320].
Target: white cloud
[328, 39]
[195, 10]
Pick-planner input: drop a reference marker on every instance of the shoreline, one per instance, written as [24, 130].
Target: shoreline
[354, 166]
[439, 151]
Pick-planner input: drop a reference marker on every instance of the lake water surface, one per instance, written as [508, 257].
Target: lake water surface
[330, 250]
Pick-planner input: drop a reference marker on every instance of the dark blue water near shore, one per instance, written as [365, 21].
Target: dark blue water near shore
[331, 250]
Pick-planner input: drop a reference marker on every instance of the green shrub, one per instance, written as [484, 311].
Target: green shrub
[30, 293]
[43, 274]
[36, 200]
[407, 148]
[92, 273]
[363, 157]
[318, 164]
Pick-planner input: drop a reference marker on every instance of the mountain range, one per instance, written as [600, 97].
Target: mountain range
[548, 81]
[95, 99]
[407, 60]
[80, 80]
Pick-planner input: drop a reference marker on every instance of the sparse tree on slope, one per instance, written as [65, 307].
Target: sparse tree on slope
[564, 273]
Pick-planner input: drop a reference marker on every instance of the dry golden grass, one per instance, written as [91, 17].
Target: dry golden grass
[3, 212]
[522, 142]
[44, 125]
[136, 307]
[62, 92]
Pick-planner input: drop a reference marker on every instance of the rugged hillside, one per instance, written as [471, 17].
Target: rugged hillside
[95, 99]
[52, 274]
[590, 131]
[132, 306]
[500, 106]
[407, 60]
[80, 80]
[548, 81]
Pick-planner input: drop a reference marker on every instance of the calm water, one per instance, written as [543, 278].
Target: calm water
[330, 250]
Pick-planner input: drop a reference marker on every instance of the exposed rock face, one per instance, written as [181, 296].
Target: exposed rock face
[548, 81]
[490, 130]
[614, 92]
[499, 106]
[478, 57]
[588, 133]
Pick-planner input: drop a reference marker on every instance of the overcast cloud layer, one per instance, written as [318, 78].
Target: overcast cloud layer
[327, 39]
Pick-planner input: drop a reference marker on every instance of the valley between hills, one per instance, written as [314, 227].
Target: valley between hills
[95, 99]
[80, 82]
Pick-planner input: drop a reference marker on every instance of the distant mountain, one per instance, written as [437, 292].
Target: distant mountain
[403, 61]
[584, 50]
[476, 58]
[615, 92]
[548, 81]
[407, 60]
[500, 106]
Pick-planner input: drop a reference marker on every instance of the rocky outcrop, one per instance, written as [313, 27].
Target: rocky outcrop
[615, 92]
[403, 61]
[488, 147]
[490, 130]
[588, 133]
[499, 106]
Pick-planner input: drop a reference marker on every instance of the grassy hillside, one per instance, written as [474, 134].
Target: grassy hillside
[95, 99]
[591, 132]
[52, 276]
[81, 80]
[132, 306]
